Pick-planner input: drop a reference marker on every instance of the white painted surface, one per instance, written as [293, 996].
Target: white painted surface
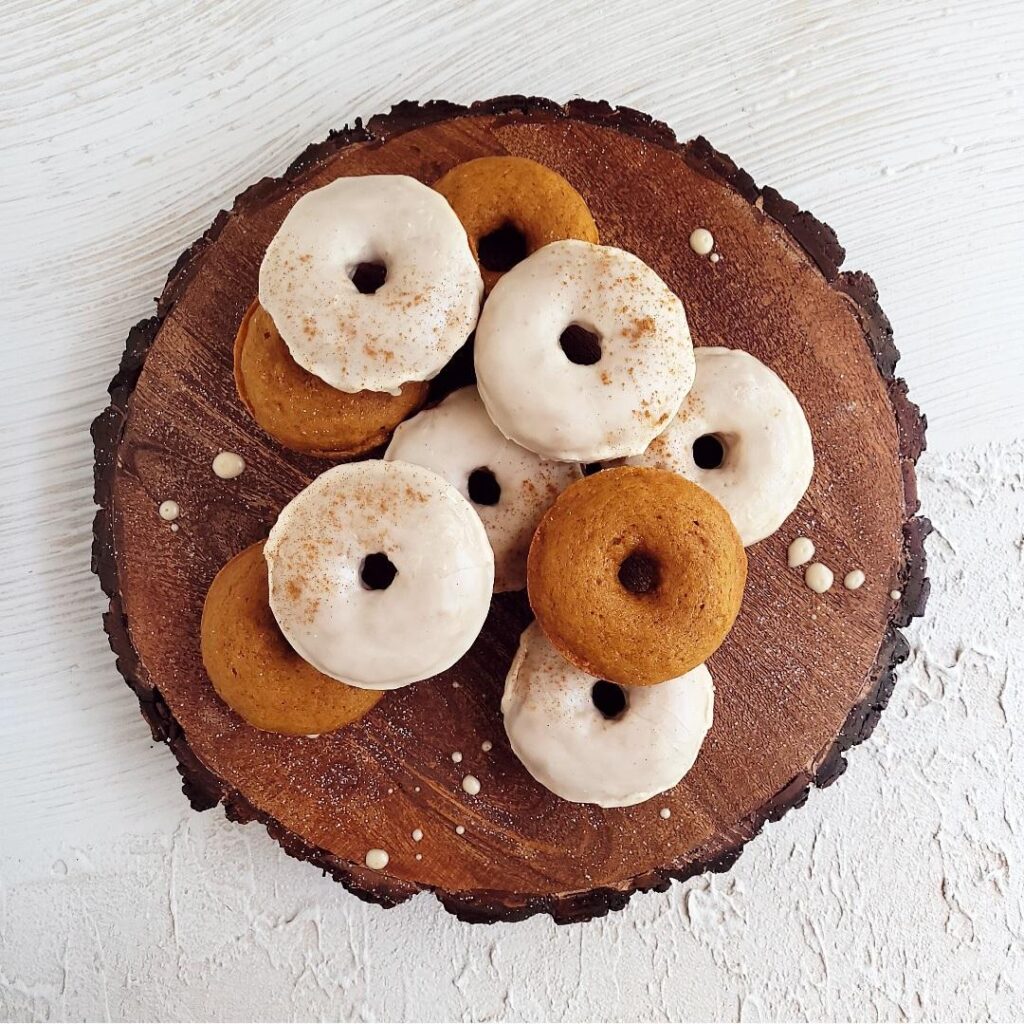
[894, 895]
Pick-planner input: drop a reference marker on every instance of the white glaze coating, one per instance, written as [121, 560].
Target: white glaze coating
[457, 437]
[435, 606]
[563, 410]
[819, 577]
[800, 551]
[769, 458]
[569, 747]
[413, 324]
[702, 241]
[377, 859]
[228, 465]
[854, 579]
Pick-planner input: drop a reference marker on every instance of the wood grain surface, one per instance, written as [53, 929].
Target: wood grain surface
[794, 669]
[896, 894]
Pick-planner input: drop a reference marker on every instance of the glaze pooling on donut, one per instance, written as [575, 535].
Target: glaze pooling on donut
[457, 439]
[400, 626]
[768, 456]
[407, 328]
[567, 744]
[589, 409]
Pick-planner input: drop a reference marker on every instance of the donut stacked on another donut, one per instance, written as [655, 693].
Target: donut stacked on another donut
[366, 292]
[583, 353]
[509, 487]
[371, 283]
[380, 574]
[636, 575]
[377, 575]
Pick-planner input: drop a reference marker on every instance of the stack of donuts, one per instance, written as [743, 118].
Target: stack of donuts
[600, 462]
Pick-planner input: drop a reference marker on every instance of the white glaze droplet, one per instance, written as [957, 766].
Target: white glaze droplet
[174, 527]
[702, 241]
[854, 579]
[390, 790]
[377, 859]
[455, 685]
[460, 830]
[715, 257]
[800, 550]
[169, 510]
[895, 594]
[471, 784]
[818, 577]
[486, 746]
[417, 834]
[665, 812]
[457, 756]
[415, 789]
[228, 465]
[419, 856]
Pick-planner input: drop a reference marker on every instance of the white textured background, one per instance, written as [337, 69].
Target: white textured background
[895, 895]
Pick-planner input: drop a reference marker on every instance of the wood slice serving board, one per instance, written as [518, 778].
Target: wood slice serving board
[800, 679]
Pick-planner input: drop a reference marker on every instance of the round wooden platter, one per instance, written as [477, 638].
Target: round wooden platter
[800, 679]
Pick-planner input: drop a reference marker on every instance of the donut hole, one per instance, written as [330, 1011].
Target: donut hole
[368, 276]
[639, 573]
[709, 451]
[580, 346]
[502, 249]
[610, 699]
[377, 572]
[484, 488]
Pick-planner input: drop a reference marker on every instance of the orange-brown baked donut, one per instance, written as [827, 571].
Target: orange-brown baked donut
[303, 412]
[511, 207]
[255, 671]
[636, 575]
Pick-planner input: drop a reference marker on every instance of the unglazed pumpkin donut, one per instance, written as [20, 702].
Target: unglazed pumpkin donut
[511, 207]
[252, 667]
[371, 282]
[509, 487]
[594, 742]
[583, 353]
[300, 410]
[636, 575]
[742, 435]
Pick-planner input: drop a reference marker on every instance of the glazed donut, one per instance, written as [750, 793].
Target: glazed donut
[510, 487]
[582, 353]
[371, 283]
[593, 742]
[301, 411]
[511, 207]
[742, 435]
[253, 669]
[636, 575]
[380, 574]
